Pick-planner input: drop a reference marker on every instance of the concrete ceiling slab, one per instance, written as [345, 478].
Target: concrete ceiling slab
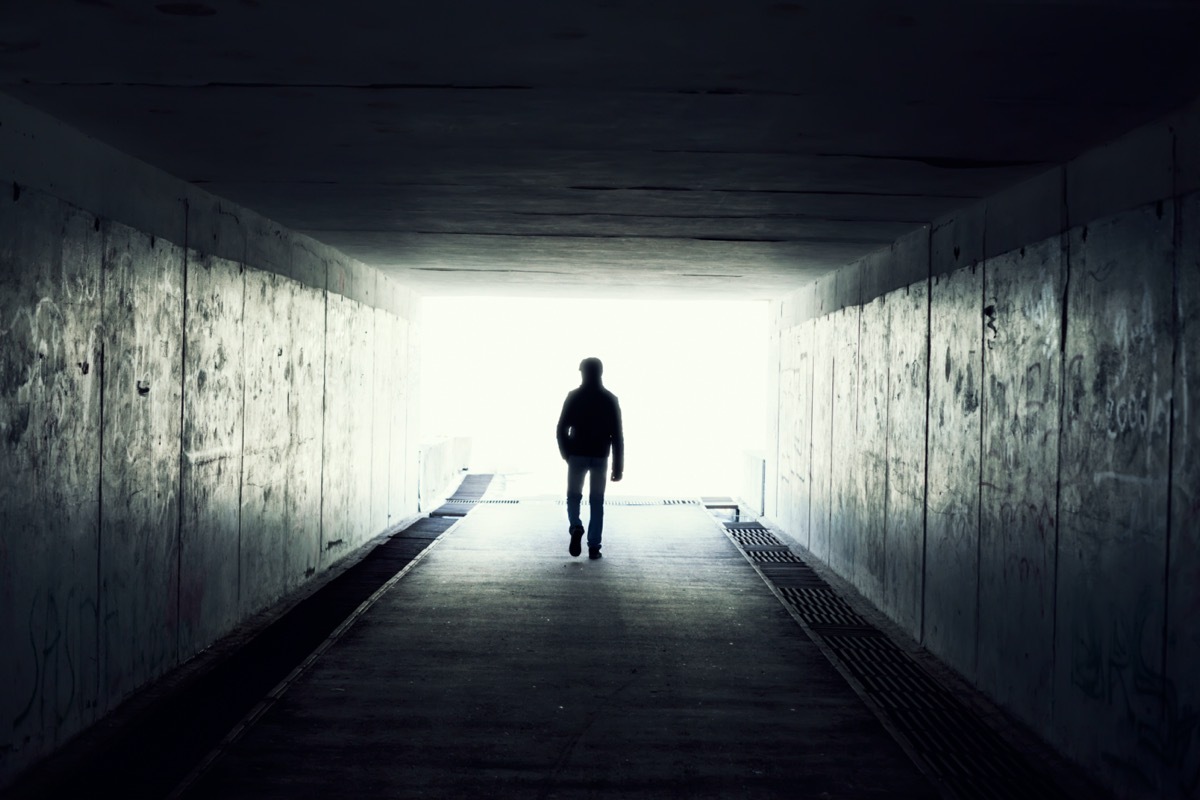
[738, 148]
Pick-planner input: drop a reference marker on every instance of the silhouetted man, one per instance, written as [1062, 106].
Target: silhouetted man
[590, 424]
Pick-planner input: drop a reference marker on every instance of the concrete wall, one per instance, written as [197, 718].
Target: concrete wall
[442, 462]
[754, 474]
[987, 429]
[182, 429]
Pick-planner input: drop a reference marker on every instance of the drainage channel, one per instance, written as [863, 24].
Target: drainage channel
[468, 495]
[156, 749]
[963, 756]
[638, 501]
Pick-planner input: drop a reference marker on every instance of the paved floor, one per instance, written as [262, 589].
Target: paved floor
[502, 667]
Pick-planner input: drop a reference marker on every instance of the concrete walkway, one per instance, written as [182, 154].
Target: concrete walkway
[502, 667]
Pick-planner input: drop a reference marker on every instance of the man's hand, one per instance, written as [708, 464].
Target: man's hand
[616, 477]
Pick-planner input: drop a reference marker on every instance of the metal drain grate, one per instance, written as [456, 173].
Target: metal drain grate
[772, 556]
[472, 487]
[949, 740]
[821, 607]
[886, 672]
[968, 757]
[754, 537]
[796, 574]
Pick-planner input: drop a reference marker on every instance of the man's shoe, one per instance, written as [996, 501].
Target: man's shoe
[594, 553]
[576, 538]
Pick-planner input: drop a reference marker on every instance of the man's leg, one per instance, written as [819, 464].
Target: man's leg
[597, 479]
[576, 469]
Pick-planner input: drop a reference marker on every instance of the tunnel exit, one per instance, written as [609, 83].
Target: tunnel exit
[690, 375]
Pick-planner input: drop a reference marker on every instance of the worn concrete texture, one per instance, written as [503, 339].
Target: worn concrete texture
[360, 421]
[502, 667]
[1181, 746]
[50, 421]
[382, 372]
[822, 436]
[795, 429]
[337, 474]
[868, 567]
[1060, 483]
[844, 523]
[397, 396]
[904, 542]
[1114, 490]
[211, 468]
[143, 385]
[952, 525]
[162, 453]
[306, 411]
[1023, 326]
[264, 529]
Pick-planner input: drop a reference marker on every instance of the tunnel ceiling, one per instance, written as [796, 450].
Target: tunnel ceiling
[735, 147]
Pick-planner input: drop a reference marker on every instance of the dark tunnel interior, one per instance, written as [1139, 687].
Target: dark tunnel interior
[959, 557]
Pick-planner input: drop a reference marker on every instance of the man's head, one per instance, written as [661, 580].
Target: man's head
[592, 369]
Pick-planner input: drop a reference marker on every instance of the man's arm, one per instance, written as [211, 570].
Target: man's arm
[618, 444]
[561, 430]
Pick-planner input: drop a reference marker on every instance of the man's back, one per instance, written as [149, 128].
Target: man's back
[590, 423]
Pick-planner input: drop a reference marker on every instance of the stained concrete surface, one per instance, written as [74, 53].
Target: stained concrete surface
[501, 667]
[1079, 351]
[795, 429]
[822, 436]
[143, 390]
[1183, 603]
[870, 480]
[951, 549]
[162, 449]
[1022, 317]
[211, 463]
[904, 540]
[50, 418]
[1114, 486]
[845, 511]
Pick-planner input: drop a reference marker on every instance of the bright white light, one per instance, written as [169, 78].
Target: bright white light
[690, 376]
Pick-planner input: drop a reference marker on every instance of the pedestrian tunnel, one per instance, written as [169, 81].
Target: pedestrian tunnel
[901, 308]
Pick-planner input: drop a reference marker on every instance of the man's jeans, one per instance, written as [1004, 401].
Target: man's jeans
[597, 467]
